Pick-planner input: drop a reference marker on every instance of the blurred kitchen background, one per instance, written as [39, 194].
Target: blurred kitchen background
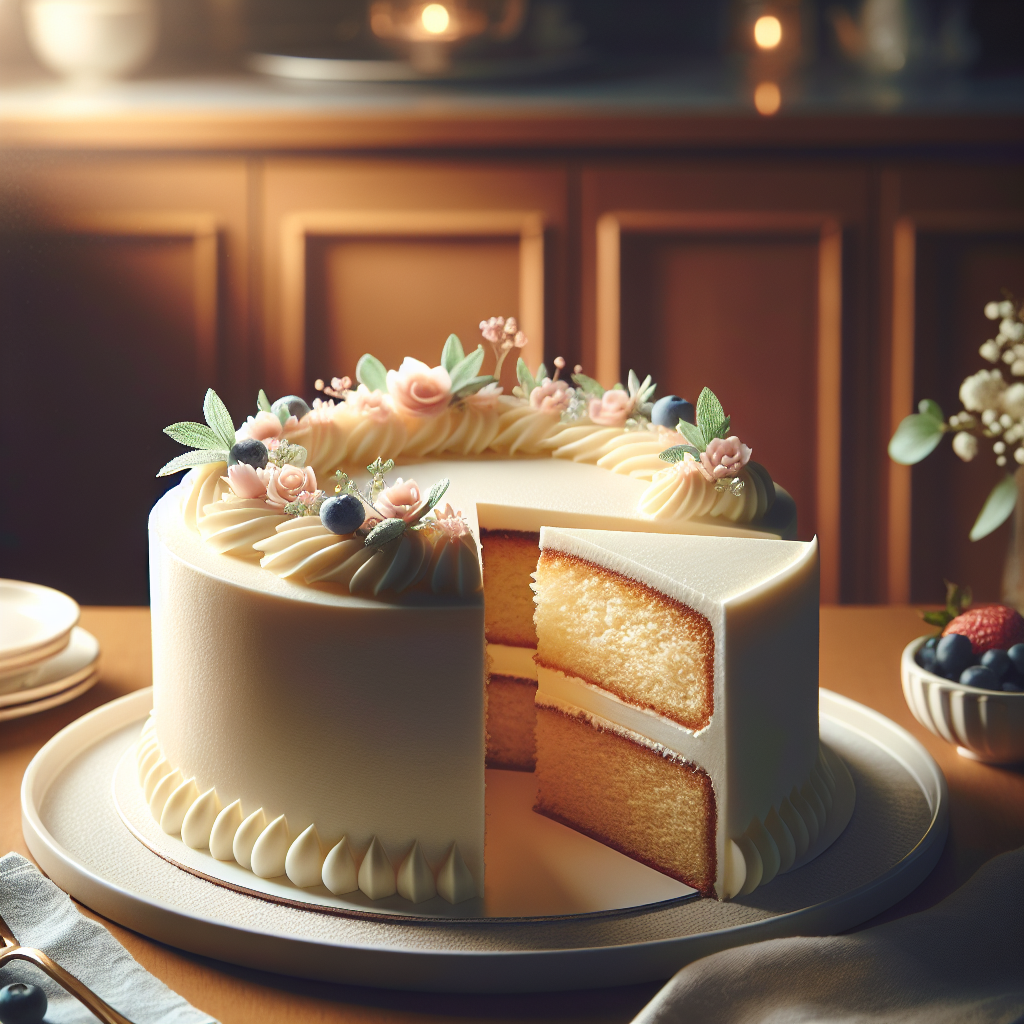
[804, 205]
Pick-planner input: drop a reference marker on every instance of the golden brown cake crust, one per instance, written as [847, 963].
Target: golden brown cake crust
[637, 678]
[509, 558]
[511, 723]
[647, 803]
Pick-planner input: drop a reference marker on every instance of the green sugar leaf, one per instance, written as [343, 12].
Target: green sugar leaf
[588, 385]
[263, 403]
[371, 372]
[998, 507]
[710, 415]
[195, 435]
[676, 453]
[542, 372]
[724, 430]
[633, 382]
[435, 495]
[384, 532]
[190, 459]
[526, 379]
[693, 434]
[915, 438]
[466, 369]
[217, 415]
[452, 353]
[473, 386]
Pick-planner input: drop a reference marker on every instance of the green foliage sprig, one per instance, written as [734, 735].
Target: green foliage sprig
[958, 600]
[711, 423]
[212, 441]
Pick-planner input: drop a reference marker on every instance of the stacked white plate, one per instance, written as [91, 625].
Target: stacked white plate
[46, 658]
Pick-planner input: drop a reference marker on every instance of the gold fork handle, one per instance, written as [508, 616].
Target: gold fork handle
[67, 981]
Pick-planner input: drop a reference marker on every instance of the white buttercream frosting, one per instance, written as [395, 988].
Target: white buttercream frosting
[454, 881]
[340, 873]
[415, 880]
[376, 874]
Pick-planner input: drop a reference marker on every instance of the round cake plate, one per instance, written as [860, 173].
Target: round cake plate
[73, 830]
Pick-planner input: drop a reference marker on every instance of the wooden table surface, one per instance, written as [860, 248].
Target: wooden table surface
[860, 650]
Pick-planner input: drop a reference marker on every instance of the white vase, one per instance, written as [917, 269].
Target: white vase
[92, 39]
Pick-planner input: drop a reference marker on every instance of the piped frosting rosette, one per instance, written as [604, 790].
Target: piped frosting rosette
[682, 491]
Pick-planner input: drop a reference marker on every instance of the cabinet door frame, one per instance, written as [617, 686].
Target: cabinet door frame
[827, 228]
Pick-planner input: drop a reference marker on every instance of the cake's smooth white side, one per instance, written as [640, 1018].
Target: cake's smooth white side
[761, 598]
[359, 717]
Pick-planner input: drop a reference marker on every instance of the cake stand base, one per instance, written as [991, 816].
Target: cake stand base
[73, 830]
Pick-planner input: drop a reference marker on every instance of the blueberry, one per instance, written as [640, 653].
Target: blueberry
[926, 655]
[668, 411]
[295, 405]
[1012, 686]
[22, 1004]
[952, 655]
[979, 677]
[998, 661]
[1016, 653]
[252, 453]
[344, 514]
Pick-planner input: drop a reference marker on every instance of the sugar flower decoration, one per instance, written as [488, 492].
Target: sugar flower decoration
[402, 500]
[724, 457]
[287, 483]
[265, 426]
[246, 481]
[504, 335]
[374, 405]
[612, 409]
[418, 389]
[451, 523]
[551, 396]
[486, 398]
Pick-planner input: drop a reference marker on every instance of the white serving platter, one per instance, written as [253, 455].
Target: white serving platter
[53, 675]
[35, 622]
[73, 829]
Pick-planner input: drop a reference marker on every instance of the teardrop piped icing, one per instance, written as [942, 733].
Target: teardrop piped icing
[454, 881]
[246, 836]
[199, 820]
[270, 850]
[304, 863]
[225, 826]
[415, 879]
[339, 871]
[376, 875]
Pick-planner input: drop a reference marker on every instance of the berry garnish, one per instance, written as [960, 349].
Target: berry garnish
[998, 661]
[988, 627]
[1016, 654]
[926, 655]
[1011, 686]
[250, 451]
[953, 655]
[979, 677]
[668, 411]
[296, 406]
[343, 514]
[22, 1004]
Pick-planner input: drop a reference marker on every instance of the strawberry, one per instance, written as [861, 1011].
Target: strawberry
[989, 627]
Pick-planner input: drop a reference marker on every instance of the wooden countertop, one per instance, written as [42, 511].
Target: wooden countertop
[860, 650]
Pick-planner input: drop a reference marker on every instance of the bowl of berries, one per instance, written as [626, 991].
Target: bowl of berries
[966, 683]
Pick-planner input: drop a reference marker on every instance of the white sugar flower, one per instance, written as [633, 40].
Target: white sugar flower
[1006, 308]
[965, 445]
[989, 351]
[1012, 329]
[992, 310]
[982, 390]
[1009, 356]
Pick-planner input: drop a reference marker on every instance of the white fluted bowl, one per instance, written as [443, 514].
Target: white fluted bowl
[983, 725]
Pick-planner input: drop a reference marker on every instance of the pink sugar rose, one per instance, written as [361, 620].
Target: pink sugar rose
[374, 405]
[262, 426]
[401, 500]
[418, 389]
[612, 409]
[286, 484]
[245, 481]
[486, 398]
[551, 396]
[724, 458]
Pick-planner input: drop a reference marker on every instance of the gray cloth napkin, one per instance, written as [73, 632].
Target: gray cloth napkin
[42, 916]
[961, 961]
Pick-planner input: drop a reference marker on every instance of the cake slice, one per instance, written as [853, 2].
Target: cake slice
[677, 712]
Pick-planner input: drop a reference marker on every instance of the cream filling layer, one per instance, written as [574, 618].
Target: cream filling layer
[511, 661]
[788, 834]
[269, 850]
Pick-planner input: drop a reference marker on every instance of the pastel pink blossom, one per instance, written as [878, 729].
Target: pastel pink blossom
[724, 458]
[486, 398]
[401, 500]
[551, 396]
[612, 409]
[245, 481]
[418, 389]
[286, 484]
[451, 523]
[262, 426]
[374, 405]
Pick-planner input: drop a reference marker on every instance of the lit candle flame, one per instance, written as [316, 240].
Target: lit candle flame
[435, 18]
[767, 32]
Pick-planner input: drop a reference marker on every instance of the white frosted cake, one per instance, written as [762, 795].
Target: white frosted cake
[324, 627]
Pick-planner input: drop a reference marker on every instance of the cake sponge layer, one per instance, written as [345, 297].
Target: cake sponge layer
[509, 557]
[646, 648]
[640, 799]
[511, 720]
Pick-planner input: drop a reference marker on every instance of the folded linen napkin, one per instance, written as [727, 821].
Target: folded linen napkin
[960, 962]
[42, 916]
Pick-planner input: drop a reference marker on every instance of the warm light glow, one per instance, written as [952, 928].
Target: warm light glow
[435, 18]
[767, 32]
[767, 98]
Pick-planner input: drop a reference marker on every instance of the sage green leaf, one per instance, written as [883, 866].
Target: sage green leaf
[676, 453]
[693, 434]
[542, 372]
[473, 386]
[915, 438]
[588, 385]
[435, 495]
[384, 532]
[724, 430]
[217, 415]
[263, 403]
[371, 372]
[998, 507]
[710, 415]
[190, 459]
[926, 407]
[526, 379]
[634, 383]
[452, 353]
[467, 369]
[283, 412]
[195, 435]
